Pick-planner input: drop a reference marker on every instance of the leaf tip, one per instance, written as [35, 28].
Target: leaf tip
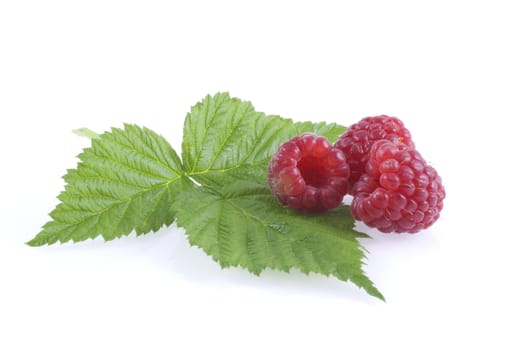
[35, 242]
[379, 296]
[373, 291]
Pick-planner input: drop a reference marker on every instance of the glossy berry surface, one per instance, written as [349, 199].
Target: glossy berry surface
[357, 140]
[308, 174]
[399, 192]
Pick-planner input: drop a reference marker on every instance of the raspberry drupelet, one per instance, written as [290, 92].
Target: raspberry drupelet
[357, 140]
[308, 174]
[399, 192]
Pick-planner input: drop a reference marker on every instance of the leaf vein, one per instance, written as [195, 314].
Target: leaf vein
[228, 136]
[137, 150]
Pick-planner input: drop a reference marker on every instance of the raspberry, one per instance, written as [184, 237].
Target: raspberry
[399, 192]
[357, 140]
[308, 174]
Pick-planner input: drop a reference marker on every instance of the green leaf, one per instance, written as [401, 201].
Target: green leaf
[225, 139]
[126, 181]
[241, 224]
[132, 179]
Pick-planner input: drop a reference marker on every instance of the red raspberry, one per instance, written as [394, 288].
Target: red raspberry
[399, 192]
[357, 140]
[307, 174]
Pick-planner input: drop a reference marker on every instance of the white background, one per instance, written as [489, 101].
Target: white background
[449, 69]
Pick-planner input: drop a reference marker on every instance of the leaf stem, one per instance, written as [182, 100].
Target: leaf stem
[85, 132]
